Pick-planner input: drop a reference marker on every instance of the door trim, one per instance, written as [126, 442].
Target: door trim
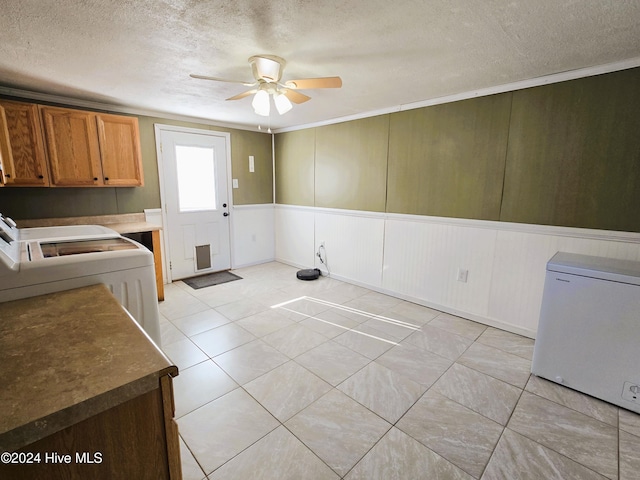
[158, 129]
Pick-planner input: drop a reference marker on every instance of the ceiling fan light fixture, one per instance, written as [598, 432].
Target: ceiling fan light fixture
[283, 105]
[260, 103]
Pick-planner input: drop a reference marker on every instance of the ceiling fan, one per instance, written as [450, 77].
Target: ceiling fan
[267, 72]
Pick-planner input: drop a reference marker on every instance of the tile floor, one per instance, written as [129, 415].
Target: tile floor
[284, 379]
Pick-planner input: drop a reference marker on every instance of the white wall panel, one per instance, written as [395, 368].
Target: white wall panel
[421, 260]
[294, 228]
[520, 265]
[353, 244]
[417, 258]
[253, 234]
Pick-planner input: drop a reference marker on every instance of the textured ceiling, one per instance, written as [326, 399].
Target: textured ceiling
[139, 53]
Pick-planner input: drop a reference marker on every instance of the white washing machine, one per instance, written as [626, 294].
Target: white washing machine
[41, 263]
[589, 332]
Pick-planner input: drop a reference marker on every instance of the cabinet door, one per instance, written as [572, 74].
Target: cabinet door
[6, 158]
[24, 161]
[72, 144]
[120, 150]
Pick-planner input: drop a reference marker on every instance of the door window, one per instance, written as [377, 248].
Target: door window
[196, 175]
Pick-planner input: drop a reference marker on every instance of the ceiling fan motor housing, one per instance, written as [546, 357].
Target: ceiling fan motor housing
[267, 67]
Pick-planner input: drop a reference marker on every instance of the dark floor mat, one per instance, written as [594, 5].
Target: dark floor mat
[210, 279]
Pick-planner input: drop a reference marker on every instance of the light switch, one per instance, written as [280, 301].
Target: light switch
[252, 167]
[235, 183]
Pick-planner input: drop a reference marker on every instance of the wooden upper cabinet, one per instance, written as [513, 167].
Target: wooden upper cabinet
[24, 161]
[120, 150]
[72, 144]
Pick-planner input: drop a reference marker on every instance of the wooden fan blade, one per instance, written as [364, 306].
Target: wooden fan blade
[216, 79]
[306, 83]
[296, 97]
[242, 95]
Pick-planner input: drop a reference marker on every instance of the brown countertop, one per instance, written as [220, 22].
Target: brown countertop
[67, 356]
[123, 223]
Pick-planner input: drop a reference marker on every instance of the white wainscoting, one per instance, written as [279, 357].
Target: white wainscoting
[295, 236]
[417, 258]
[252, 235]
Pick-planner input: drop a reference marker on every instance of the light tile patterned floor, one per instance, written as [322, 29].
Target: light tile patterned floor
[284, 379]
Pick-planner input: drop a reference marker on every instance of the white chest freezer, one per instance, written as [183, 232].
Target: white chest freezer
[589, 331]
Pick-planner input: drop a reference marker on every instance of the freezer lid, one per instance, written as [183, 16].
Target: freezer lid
[612, 269]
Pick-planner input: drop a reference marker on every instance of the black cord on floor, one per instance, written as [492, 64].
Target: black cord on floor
[323, 261]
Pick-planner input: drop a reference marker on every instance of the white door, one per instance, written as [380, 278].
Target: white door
[194, 169]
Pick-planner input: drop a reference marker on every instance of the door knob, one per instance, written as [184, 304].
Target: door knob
[225, 214]
[224, 205]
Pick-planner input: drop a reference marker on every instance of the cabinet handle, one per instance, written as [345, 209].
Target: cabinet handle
[106, 179]
[7, 175]
[95, 179]
[40, 176]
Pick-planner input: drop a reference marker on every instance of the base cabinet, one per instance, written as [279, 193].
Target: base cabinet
[137, 439]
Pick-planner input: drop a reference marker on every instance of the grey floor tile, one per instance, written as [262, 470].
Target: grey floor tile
[459, 326]
[338, 429]
[264, 323]
[341, 293]
[240, 309]
[412, 312]
[222, 339]
[278, 456]
[332, 362]
[603, 411]
[399, 457]
[498, 364]
[629, 456]
[462, 436]
[184, 353]
[247, 362]
[219, 430]
[169, 333]
[415, 363]
[508, 342]
[630, 422]
[397, 329]
[190, 468]
[441, 342]
[382, 391]
[479, 392]
[332, 321]
[198, 385]
[287, 389]
[336, 337]
[575, 435]
[366, 341]
[200, 322]
[518, 458]
[181, 306]
[294, 340]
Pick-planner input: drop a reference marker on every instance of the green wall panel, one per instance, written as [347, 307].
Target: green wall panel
[351, 164]
[574, 154]
[448, 160]
[295, 159]
[253, 187]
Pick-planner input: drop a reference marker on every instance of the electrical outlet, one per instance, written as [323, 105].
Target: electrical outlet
[631, 392]
[462, 275]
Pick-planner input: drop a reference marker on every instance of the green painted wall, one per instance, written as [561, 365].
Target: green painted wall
[295, 168]
[254, 188]
[565, 154]
[574, 154]
[351, 164]
[448, 160]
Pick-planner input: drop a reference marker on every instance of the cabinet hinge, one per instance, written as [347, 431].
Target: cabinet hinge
[170, 266]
